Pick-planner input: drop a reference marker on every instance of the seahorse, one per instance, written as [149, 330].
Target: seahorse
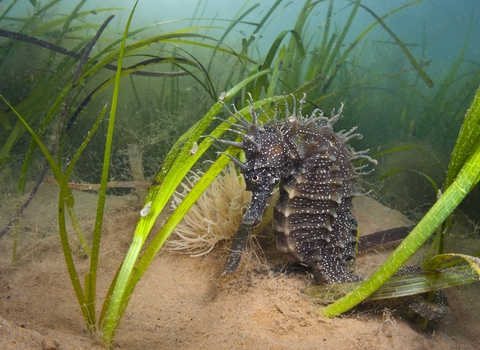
[312, 166]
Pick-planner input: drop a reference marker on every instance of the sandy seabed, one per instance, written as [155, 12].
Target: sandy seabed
[185, 303]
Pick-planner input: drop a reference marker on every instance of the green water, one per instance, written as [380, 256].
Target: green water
[406, 73]
[406, 79]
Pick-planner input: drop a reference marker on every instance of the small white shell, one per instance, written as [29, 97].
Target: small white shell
[146, 209]
[194, 149]
[222, 96]
[439, 194]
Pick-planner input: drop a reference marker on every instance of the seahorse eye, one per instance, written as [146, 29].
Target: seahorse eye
[255, 178]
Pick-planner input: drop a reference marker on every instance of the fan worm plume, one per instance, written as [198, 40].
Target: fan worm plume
[215, 216]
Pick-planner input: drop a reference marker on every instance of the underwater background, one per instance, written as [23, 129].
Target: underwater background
[394, 101]
[406, 73]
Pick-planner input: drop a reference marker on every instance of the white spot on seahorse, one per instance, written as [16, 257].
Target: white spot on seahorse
[146, 209]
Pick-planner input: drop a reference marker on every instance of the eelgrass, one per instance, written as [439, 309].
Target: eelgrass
[400, 286]
[65, 200]
[330, 60]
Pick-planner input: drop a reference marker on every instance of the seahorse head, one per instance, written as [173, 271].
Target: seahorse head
[265, 161]
[264, 165]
